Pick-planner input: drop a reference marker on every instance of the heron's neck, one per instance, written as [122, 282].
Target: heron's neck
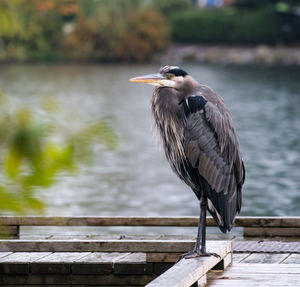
[188, 87]
[169, 118]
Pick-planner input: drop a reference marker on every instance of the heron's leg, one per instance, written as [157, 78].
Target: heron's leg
[200, 246]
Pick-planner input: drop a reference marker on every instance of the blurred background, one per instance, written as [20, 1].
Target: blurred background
[76, 137]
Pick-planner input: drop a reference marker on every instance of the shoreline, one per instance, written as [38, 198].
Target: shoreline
[261, 55]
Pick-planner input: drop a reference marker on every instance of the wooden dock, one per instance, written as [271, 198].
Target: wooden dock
[93, 263]
[148, 260]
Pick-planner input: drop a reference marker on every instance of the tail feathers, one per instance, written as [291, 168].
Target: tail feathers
[217, 217]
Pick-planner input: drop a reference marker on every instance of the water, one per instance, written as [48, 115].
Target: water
[135, 179]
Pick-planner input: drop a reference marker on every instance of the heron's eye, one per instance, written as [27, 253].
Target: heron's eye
[170, 76]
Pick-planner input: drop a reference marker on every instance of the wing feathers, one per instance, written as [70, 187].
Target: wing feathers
[212, 148]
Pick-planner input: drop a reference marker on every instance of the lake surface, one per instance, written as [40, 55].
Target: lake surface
[135, 179]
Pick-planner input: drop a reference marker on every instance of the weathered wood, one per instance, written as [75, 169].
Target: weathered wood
[239, 257]
[72, 279]
[100, 221]
[292, 259]
[202, 282]
[9, 231]
[265, 258]
[163, 257]
[250, 221]
[271, 231]
[56, 263]
[18, 263]
[97, 263]
[224, 263]
[179, 246]
[64, 257]
[160, 268]
[24, 257]
[3, 254]
[266, 246]
[134, 263]
[258, 268]
[241, 274]
[188, 271]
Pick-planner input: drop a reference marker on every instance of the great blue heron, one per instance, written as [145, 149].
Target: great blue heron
[201, 145]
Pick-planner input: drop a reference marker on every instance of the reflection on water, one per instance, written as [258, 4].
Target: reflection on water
[135, 179]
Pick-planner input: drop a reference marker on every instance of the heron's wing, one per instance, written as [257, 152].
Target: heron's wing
[212, 148]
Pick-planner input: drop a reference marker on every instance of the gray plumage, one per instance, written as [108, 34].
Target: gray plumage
[205, 141]
[201, 145]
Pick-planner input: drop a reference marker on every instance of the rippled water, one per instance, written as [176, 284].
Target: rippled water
[135, 178]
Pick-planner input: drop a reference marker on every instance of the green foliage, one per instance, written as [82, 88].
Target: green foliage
[83, 29]
[171, 7]
[209, 26]
[227, 26]
[260, 26]
[118, 32]
[257, 4]
[34, 153]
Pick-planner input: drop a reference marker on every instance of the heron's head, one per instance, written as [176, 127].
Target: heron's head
[168, 76]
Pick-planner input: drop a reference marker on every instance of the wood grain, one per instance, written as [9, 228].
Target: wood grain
[271, 231]
[178, 246]
[250, 221]
[264, 275]
[188, 271]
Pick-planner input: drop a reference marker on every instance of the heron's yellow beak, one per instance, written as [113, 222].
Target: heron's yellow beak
[153, 79]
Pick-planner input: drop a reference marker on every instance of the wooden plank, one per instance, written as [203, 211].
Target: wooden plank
[272, 231]
[163, 257]
[97, 245]
[268, 221]
[267, 268]
[97, 263]
[9, 231]
[100, 221]
[202, 282]
[292, 259]
[56, 263]
[64, 285]
[3, 254]
[256, 275]
[188, 271]
[24, 257]
[72, 279]
[160, 268]
[239, 257]
[249, 221]
[224, 263]
[134, 263]
[18, 263]
[265, 258]
[66, 257]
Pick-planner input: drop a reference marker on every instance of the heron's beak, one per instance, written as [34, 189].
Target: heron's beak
[153, 79]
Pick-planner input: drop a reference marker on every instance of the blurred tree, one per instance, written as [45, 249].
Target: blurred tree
[33, 153]
[255, 4]
[84, 29]
[171, 7]
[120, 30]
[286, 12]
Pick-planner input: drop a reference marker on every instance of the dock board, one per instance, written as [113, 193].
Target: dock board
[189, 271]
[85, 267]
[120, 260]
[264, 275]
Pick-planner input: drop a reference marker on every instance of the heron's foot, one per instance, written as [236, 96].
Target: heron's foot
[197, 253]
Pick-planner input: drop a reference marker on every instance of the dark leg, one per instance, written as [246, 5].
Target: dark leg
[200, 246]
